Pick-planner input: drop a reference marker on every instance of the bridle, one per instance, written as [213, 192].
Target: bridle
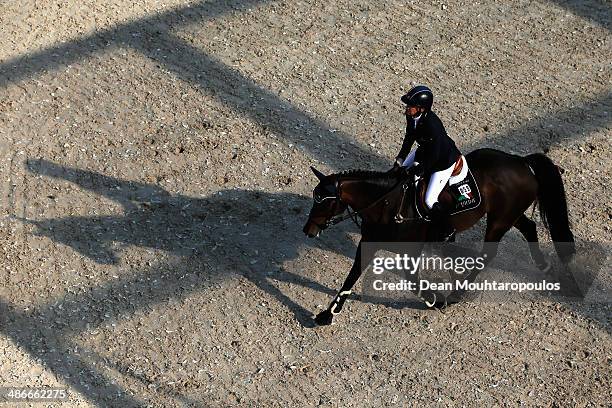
[336, 218]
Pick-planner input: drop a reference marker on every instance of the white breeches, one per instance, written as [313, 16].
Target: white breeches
[436, 184]
[438, 179]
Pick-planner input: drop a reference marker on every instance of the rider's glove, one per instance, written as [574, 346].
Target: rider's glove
[417, 170]
[396, 166]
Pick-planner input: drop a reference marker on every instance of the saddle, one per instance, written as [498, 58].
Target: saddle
[460, 194]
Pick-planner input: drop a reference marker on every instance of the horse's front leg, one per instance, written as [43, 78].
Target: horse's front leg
[326, 316]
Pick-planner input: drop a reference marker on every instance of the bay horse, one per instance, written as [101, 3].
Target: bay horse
[508, 184]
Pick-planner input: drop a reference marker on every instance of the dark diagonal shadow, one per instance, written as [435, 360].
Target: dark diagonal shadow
[598, 11]
[56, 57]
[553, 128]
[34, 334]
[129, 194]
[230, 231]
[153, 38]
[243, 95]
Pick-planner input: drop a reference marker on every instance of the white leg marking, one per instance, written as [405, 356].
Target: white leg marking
[432, 303]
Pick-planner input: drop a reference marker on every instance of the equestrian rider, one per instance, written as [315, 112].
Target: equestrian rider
[436, 153]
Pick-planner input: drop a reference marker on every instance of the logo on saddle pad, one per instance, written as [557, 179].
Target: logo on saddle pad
[465, 192]
[464, 195]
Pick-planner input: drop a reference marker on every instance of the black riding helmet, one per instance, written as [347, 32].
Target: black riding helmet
[419, 96]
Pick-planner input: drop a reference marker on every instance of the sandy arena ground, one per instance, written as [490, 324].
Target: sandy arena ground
[155, 179]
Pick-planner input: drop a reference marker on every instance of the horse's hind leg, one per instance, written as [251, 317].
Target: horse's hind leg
[496, 228]
[529, 231]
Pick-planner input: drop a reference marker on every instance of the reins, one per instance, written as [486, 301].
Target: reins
[353, 214]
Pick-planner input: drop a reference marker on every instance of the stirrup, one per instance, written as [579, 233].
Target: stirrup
[399, 218]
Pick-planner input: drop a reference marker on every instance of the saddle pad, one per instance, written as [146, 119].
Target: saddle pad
[455, 199]
[466, 194]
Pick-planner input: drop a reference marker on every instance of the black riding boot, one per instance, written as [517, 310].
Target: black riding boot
[443, 230]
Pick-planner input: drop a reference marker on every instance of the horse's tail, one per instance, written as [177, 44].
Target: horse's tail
[553, 204]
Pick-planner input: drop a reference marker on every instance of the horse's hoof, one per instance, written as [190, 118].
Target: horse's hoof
[434, 300]
[441, 304]
[324, 318]
[454, 298]
[545, 267]
[437, 305]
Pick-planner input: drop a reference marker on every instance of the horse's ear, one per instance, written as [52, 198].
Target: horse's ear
[317, 173]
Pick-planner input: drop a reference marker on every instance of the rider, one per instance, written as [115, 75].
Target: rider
[436, 153]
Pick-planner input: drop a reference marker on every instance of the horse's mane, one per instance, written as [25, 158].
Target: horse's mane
[364, 174]
[382, 177]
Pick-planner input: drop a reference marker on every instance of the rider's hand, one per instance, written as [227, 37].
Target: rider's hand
[417, 170]
[395, 167]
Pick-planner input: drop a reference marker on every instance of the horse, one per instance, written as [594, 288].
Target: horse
[509, 185]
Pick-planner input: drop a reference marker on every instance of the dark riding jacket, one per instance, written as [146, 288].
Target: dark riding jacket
[436, 150]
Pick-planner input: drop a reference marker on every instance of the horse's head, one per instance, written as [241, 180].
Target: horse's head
[327, 204]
